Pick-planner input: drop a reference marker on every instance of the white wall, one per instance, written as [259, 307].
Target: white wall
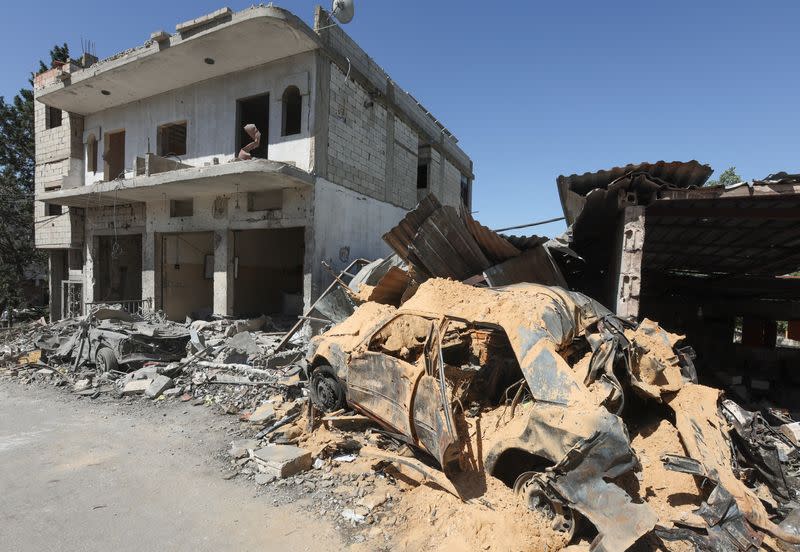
[347, 225]
[209, 108]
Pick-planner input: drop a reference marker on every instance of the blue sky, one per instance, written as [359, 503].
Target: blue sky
[531, 89]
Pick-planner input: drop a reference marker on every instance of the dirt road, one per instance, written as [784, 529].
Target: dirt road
[81, 475]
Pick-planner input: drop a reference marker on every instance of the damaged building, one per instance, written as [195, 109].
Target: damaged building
[711, 262]
[213, 169]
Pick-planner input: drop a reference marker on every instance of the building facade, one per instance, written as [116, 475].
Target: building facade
[142, 195]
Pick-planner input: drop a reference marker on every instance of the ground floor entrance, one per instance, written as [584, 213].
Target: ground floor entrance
[187, 274]
[268, 271]
[118, 269]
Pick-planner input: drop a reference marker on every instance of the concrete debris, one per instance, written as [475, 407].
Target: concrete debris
[241, 448]
[352, 515]
[518, 417]
[263, 414]
[543, 378]
[282, 460]
[157, 386]
[135, 387]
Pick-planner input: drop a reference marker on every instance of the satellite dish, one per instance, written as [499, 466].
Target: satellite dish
[343, 10]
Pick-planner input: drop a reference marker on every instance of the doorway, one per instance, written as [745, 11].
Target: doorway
[269, 277]
[253, 110]
[187, 275]
[118, 268]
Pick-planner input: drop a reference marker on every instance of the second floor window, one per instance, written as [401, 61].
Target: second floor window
[52, 117]
[292, 111]
[172, 139]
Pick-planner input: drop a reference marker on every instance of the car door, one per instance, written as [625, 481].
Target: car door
[390, 380]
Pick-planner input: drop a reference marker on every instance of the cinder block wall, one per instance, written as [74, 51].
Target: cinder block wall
[375, 130]
[59, 164]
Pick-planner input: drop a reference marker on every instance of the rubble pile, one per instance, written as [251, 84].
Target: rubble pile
[436, 412]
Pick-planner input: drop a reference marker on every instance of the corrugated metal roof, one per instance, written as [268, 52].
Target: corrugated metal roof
[741, 233]
[496, 247]
[440, 241]
[681, 174]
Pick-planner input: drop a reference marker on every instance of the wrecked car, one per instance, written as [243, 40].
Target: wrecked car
[453, 353]
[114, 339]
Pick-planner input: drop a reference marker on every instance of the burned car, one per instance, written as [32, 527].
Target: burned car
[452, 354]
[113, 339]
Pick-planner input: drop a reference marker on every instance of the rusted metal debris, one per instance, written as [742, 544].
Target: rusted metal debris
[453, 352]
[445, 242]
[112, 338]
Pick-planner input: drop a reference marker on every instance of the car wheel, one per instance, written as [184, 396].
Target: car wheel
[105, 360]
[533, 492]
[326, 390]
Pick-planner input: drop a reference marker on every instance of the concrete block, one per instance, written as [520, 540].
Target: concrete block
[146, 372]
[157, 386]
[282, 460]
[135, 387]
[264, 413]
[792, 431]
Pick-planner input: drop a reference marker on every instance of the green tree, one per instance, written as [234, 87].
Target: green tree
[17, 163]
[727, 178]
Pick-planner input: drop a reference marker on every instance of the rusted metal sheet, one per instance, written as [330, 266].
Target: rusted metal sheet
[534, 265]
[401, 236]
[443, 242]
[390, 288]
[496, 247]
[446, 248]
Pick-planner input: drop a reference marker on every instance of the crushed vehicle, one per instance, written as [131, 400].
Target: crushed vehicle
[452, 355]
[114, 339]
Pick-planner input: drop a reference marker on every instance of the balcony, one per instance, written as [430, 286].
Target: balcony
[211, 46]
[254, 175]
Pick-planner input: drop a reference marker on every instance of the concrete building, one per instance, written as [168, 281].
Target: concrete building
[139, 196]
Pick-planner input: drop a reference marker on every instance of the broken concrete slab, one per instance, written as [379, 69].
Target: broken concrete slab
[173, 392]
[81, 385]
[241, 447]
[282, 460]
[135, 387]
[792, 432]
[146, 372]
[263, 414]
[157, 386]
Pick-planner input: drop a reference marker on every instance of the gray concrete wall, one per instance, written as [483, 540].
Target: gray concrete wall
[347, 225]
[209, 109]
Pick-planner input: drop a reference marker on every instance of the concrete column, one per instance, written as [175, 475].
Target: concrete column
[149, 261]
[55, 262]
[628, 268]
[223, 272]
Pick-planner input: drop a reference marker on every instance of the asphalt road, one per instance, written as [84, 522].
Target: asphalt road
[78, 475]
